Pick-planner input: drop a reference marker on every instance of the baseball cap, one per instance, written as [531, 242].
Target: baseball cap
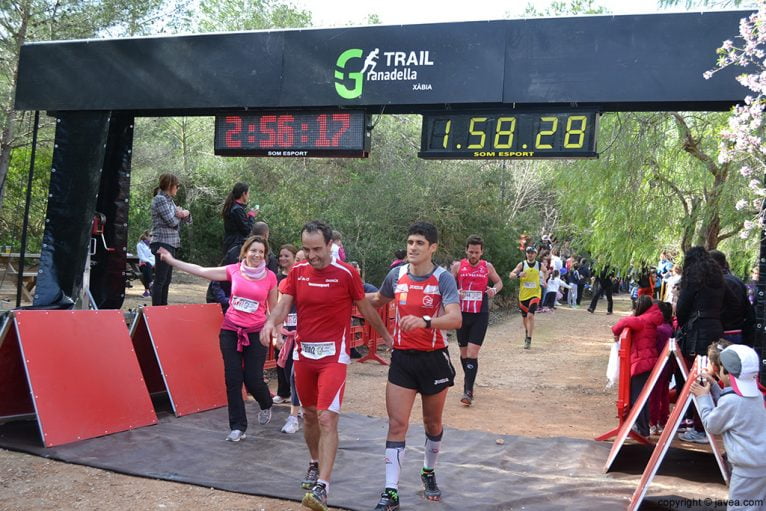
[531, 249]
[743, 366]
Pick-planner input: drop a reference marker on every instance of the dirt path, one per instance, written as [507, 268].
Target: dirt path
[554, 389]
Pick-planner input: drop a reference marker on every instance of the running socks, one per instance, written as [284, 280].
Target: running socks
[471, 367]
[394, 458]
[433, 444]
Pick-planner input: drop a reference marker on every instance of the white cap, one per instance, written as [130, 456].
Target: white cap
[742, 364]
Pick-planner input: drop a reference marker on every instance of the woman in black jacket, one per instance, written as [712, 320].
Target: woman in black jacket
[700, 301]
[237, 219]
[699, 317]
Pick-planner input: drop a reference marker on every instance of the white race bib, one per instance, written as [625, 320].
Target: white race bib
[317, 350]
[244, 304]
[531, 285]
[292, 319]
[473, 296]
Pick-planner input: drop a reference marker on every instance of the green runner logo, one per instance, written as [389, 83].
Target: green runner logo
[340, 75]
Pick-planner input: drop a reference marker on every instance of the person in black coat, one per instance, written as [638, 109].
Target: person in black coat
[604, 285]
[237, 219]
[700, 301]
[737, 315]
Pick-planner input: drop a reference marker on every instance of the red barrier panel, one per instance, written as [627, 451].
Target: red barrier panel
[186, 346]
[15, 396]
[670, 349]
[365, 335]
[83, 374]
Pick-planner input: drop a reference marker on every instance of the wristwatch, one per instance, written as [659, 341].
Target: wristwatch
[427, 319]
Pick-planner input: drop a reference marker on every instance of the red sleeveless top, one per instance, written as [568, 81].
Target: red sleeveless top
[472, 283]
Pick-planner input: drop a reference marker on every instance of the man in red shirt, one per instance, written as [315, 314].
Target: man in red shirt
[323, 290]
[427, 302]
[473, 275]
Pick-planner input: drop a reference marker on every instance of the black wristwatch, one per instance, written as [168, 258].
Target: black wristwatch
[427, 319]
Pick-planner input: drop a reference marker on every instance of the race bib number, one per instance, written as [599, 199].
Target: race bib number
[244, 304]
[531, 285]
[317, 350]
[292, 319]
[473, 296]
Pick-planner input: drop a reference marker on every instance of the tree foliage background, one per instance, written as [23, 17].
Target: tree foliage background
[657, 184]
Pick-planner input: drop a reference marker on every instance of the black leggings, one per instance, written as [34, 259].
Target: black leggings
[602, 290]
[243, 367]
[163, 272]
[146, 274]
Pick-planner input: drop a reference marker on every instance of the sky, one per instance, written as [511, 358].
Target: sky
[326, 13]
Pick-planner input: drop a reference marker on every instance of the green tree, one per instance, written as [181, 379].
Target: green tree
[23, 21]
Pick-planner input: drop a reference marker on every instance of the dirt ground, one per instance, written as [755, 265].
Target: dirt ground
[554, 389]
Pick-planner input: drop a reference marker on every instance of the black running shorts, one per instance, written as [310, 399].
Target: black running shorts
[474, 328]
[428, 372]
[529, 306]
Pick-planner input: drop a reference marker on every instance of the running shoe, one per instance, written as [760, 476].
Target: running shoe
[236, 435]
[316, 499]
[432, 491]
[697, 437]
[264, 416]
[278, 400]
[291, 425]
[389, 501]
[467, 398]
[147, 293]
[634, 429]
[312, 475]
[527, 343]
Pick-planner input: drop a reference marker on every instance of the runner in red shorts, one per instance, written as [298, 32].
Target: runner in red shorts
[427, 302]
[323, 290]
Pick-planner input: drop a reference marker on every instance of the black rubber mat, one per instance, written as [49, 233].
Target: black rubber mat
[476, 470]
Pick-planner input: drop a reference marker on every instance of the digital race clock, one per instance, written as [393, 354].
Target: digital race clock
[341, 133]
[509, 135]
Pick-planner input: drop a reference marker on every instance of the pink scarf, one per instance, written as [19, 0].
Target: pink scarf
[256, 273]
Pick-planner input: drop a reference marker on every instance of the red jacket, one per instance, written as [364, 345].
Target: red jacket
[643, 330]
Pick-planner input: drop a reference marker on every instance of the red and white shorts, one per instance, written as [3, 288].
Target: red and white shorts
[320, 383]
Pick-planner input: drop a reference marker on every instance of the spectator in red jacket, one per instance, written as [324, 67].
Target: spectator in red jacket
[643, 351]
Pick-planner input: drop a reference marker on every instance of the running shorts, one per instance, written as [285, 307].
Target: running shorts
[428, 372]
[320, 383]
[529, 306]
[474, 328]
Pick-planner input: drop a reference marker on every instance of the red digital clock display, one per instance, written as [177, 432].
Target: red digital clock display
[335, 134]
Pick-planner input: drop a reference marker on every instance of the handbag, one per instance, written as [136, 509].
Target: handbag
[686, 336]
[613, 367]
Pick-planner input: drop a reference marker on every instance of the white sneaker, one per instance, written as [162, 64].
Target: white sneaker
[278, 400]
[698, 437]
[236, 435]
[291, 425]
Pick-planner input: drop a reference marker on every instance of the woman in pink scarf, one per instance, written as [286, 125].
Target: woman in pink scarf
[253, 293]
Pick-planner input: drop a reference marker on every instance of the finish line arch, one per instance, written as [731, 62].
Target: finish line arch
[96, 88]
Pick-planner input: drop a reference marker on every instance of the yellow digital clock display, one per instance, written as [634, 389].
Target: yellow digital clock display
[509, 135]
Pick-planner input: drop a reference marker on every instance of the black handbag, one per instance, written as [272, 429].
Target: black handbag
[686, 336]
